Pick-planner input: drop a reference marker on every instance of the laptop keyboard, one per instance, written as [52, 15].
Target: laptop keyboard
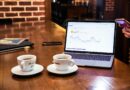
[90, 57]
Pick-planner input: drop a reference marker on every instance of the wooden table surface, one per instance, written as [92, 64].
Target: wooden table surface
[86, 78]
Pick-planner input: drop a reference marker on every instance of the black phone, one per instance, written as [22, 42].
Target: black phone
[122, 22]
[51, 43]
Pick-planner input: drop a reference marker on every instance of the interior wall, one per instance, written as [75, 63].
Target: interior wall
[48, 9]
[38, 10]
[109, 12]
[22, 10]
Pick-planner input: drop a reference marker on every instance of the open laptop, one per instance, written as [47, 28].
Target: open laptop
[91, 43]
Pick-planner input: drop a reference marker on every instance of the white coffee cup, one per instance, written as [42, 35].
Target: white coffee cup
[26, 62]
[63, 61]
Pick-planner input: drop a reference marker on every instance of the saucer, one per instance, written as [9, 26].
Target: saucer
[17, 70]
[52, 68]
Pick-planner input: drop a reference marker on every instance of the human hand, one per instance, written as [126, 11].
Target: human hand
[126, 32]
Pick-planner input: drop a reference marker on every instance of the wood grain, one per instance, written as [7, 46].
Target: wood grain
[86, 78]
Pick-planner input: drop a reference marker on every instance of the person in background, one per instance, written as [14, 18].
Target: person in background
[126, 31]
[125, 25]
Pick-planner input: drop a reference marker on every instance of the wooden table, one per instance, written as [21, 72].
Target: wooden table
[86, 78]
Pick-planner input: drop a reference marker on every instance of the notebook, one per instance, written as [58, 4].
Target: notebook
[6, 48]
[91, 43]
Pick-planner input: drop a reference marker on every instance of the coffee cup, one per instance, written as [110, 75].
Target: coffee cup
[26, 62]
[63, 61]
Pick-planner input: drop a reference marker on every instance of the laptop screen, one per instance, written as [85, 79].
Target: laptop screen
[90, 37]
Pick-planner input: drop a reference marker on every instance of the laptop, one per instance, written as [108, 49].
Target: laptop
[91, 43]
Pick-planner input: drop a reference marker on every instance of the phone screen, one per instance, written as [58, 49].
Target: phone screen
[122, 23]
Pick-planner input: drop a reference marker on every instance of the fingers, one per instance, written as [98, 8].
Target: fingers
[126, 32]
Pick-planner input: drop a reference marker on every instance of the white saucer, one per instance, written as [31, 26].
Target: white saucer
[17, 70]
[52, 68]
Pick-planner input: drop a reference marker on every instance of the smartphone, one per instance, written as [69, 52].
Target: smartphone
[51, 43]
[123, 22]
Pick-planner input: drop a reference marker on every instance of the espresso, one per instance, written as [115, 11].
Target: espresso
[27, 58]
[62, 58]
